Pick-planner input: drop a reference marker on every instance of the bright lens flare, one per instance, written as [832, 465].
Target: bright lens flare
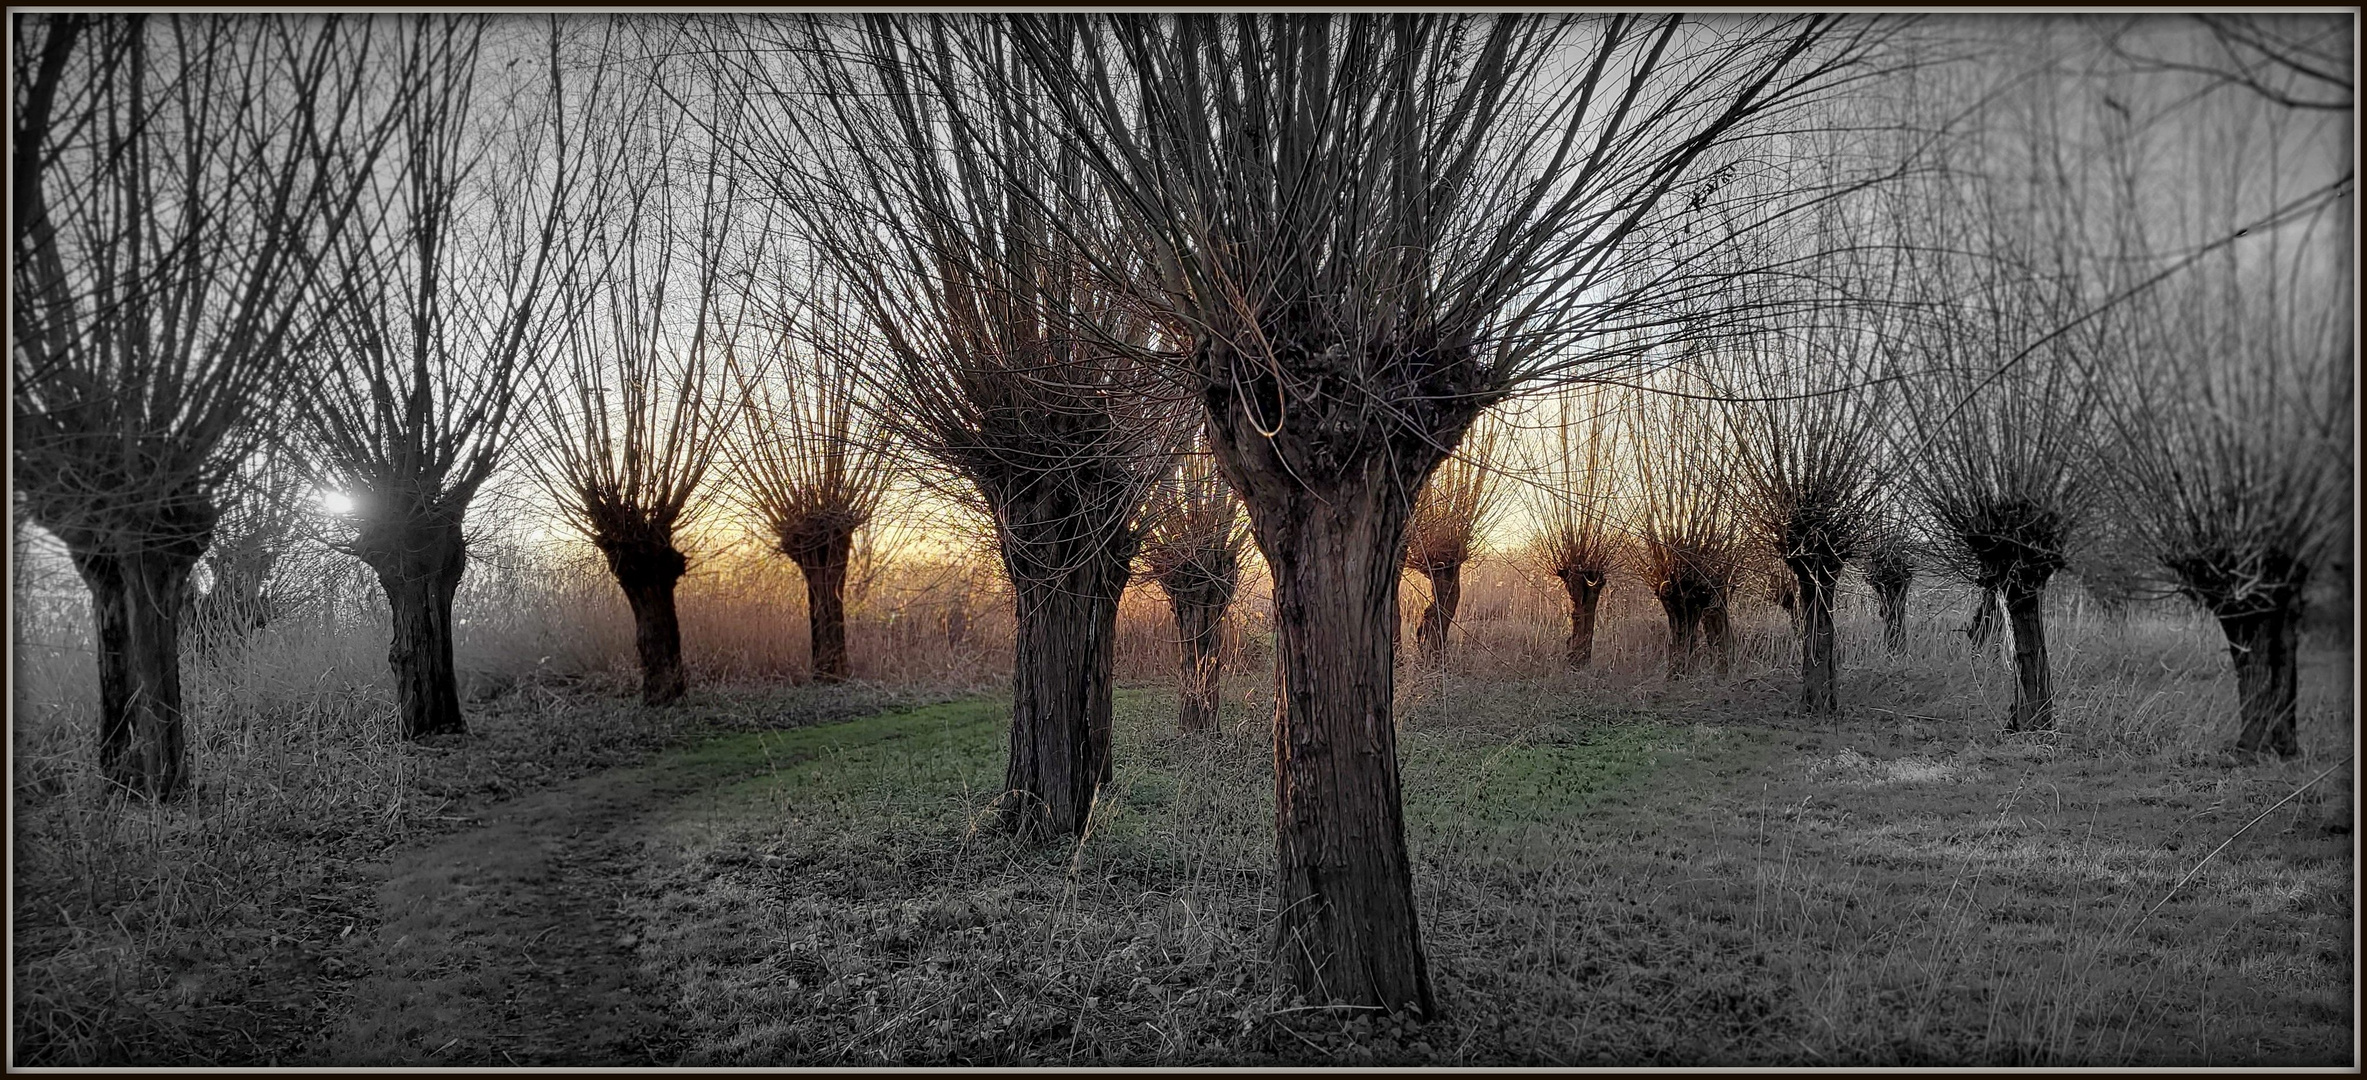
[337, 502]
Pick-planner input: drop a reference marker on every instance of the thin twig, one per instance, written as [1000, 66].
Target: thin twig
[2263, 815]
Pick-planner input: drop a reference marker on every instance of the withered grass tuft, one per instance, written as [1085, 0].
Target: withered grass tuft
[1700, 880]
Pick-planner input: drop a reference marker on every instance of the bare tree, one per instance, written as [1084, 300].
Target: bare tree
[812, 451]
[2229, 418]
[1808, 428]
[1691, 550]
[1376, 228]
[1445, 525]
[1192, 549]
[447, 306]
[265, 509]
[1997, 456]
[640, 402]
[1889, 564]
[1575, 496]
[925, 180]
[175, 182]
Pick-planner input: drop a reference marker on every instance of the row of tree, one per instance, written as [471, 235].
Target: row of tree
[1056, 254]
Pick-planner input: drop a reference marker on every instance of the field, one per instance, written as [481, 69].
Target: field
[1611, 868]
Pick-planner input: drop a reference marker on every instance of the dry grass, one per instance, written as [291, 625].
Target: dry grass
[1687, 880]
[1613, 868]
[220, 929]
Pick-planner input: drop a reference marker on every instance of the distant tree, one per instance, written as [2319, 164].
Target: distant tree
[1192, 549]
[2229, 418]
[1808, 423]
[175, 182]
[1889, 564]
[1444, 527]
[812, 453]
[925, 181]
[638, 402]
[1691, 549]
[1576, 498]
[449, 300]
[265, 510]
[1997, 455]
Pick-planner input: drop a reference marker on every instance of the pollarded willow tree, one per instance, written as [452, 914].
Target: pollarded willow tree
[928, 182]
[1889, 565]
[1192, 549]
[266, 564]
[2229, 419]
[1690, 544]
[638, 401]
[1809, 425]
[1375, 228]
[1575, 495]
[1998, 291]
[449, 301]
[175, 180]
[1445, 526]
[1998, 463]
[812, 454]
[2232, 452]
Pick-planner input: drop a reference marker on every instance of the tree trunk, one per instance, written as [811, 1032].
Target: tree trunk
[1892, 597]
[647, 572]
[1199, 627]
[1438, 617]
[1717, 635]
[2266, 649]
[824, 564]
[2034, 693]
[1061, 686]
[1983, 628]
[419, 562]
[1814, 615]
[1348, 930]
[1684, 624]
[1787, 597]
[136, 607]
[1586, 594]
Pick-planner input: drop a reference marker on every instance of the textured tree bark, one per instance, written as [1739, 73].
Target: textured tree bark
[1438, 617]
[1788, 598]
[2034, 692]
[823, 561]
[2266, 648]
[138, 575]
[136, 604]
[419, 562]
[1816, 576]
[1586, 593]
[1062, 690]
[1199, 627]
[1717, 636]
[1892, 597]
[1348, 930]
[1684, 627]
[648, 571]
[1983, 629]
[1328, 502]
[235, 604]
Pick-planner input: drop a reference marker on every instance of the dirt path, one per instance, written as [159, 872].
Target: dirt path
[512, 943]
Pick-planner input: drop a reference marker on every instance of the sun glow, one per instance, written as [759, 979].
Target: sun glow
[337, 502]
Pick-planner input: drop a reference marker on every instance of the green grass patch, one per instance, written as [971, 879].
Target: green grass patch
[927, 770]
[917, 748]
[1462, 781]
